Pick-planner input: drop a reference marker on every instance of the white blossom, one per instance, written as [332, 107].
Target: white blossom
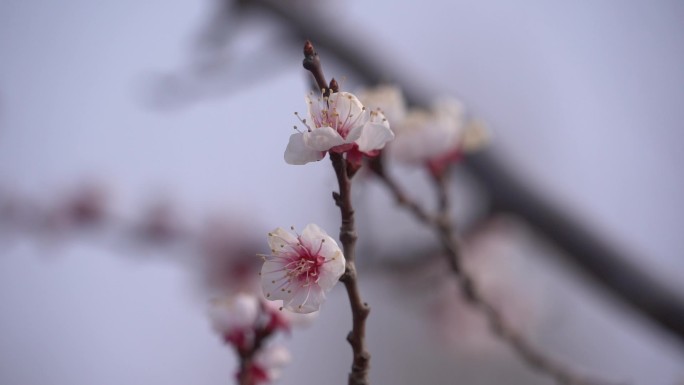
[301, 268]
[387, 98]
[235, 313]
[337, 123]
[270, 361]
[424, 135]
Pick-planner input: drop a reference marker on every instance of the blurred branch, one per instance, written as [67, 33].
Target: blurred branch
[608, 266]
[445, 231]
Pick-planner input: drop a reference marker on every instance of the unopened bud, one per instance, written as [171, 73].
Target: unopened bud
[308, 48]
[334, 86]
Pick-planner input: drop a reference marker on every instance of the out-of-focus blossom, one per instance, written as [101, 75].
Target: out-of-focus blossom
[301, 268]
[387, 98]
[269, 363]
[476, 136]
[234, 314]
[428, 135]
[226, 263]
[437, 137]
[160, 224]
[338, 123]
[84, 208]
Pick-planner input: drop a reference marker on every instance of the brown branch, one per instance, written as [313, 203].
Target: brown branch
[360, 309]
[444, 228]
[348, 236]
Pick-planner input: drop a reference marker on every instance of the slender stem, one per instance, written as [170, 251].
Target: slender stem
[360, 309]
[444, 228]
[348, 236]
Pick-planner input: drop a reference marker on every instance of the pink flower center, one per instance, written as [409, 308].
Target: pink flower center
[341, 121]
[304, 268]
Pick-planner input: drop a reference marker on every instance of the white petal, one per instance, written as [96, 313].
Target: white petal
[306, 299]
[298, 153]
[322, 139]
[448, 108]
[422, 135]
[314, 237]
[347, 105]
[279, 239]
[375, 135]
[355, 134]
[387, 98]
[234, 312]
[314, 105]
[331, 271]
[274, 280]
[351, 113]
[475, 136]
[272, 359]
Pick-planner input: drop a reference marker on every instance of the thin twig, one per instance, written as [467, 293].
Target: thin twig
[360, 309]
[444, 228]
[348, 236]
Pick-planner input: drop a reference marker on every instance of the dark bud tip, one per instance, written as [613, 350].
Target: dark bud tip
[308, 48]
[334, 86]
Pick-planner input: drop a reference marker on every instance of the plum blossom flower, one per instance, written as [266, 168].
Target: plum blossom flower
[438, 136]
[301, 268]
[387, 98]
[234, 317]
[268, 364]
[338, 123]
[424, 134]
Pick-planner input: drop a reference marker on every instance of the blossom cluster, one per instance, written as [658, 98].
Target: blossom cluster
[434, 137]
[245, 323]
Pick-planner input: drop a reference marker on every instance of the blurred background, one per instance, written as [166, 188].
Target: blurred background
[182, 110]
